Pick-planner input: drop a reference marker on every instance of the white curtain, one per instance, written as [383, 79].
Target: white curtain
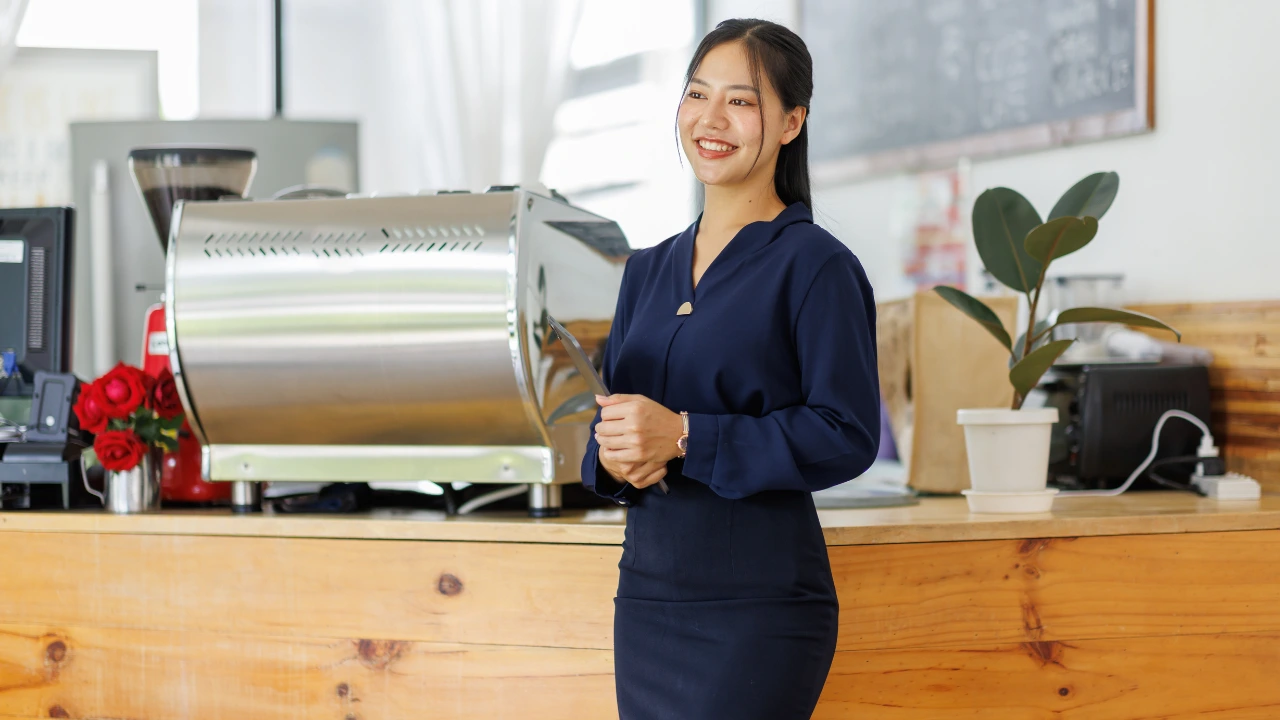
[475, 85]
[11, 12]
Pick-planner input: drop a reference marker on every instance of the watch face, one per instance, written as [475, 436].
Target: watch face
[683, 444]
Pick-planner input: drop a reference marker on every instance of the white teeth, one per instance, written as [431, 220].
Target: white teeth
[714, 146]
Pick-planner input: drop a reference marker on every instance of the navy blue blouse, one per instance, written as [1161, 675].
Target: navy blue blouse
[776, 365]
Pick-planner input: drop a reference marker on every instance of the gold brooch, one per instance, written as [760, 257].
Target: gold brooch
[685, 309]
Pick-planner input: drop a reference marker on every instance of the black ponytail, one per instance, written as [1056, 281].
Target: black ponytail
[776, 52]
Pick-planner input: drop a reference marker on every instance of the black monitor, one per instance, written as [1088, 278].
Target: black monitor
[35, 292]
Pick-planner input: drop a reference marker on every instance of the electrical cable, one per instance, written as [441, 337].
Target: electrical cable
[1174, 484]
[480, 501]
[1206, 445]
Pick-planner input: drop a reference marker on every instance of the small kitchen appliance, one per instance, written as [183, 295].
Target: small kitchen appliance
[390, 338]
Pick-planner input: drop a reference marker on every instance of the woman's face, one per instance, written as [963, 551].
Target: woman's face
[720, 120]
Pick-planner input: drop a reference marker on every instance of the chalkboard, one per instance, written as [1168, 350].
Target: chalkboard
[912, 84]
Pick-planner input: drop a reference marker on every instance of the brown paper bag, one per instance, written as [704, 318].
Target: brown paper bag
[933, 361]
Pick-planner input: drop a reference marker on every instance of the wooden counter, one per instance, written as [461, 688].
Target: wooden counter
[1148, 605]
[935, 519]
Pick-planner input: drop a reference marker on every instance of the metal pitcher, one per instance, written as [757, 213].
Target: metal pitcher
[132, 491]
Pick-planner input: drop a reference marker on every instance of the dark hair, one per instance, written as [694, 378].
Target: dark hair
[783, 57]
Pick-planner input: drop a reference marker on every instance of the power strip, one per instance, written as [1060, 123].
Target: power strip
[1231, 486]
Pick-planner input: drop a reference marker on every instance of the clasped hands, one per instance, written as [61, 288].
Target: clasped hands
[637, 438]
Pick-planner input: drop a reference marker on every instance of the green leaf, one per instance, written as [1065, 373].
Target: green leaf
[976, 309]
[1060, 237]
[1093, 314]
[1091, 197]
[1027, 373]
[1001, 220]
[1018, 344]
[145, 427]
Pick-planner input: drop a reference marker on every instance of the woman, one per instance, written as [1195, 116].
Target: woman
[757, 328]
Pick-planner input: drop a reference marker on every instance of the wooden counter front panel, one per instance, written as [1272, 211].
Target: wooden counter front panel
[1218, 677]
[148, 627]
[926, 595]
[484, 593]
[132, 673]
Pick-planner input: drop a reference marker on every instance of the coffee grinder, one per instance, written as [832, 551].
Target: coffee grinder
[163, 175]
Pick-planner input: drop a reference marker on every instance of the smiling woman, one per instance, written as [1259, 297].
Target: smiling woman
[743, 366]
[766, 55]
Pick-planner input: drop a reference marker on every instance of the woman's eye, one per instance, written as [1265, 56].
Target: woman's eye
[695, 94]
[741, 102]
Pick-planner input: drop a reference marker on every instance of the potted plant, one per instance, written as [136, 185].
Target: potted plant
[1008, 449]
[133, 417]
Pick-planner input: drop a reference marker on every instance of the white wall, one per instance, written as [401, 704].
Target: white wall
[1197, 217]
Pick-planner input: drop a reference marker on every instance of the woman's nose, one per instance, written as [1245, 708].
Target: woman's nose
[714, 118]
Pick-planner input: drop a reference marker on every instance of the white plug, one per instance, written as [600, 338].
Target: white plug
[1206, 450]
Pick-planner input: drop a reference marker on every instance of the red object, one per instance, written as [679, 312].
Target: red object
[91, 409]
[124, 389]
[118, 450]
[155, 343]
[163, 398]
[179, 471]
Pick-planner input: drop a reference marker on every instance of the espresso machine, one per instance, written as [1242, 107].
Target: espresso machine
[164, 175]
[390, 339]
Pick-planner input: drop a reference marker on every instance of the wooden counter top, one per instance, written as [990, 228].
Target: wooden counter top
[939, 519]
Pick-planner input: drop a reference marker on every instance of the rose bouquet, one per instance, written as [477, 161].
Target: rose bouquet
[129, 412]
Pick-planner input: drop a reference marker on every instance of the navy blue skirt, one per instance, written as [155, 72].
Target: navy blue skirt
[725, 608]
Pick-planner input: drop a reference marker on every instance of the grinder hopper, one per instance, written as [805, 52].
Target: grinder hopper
[165, 174]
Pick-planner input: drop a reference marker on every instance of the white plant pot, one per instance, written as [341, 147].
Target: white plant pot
[1008, 449]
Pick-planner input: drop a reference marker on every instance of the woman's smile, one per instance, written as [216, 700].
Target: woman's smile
[713, 149]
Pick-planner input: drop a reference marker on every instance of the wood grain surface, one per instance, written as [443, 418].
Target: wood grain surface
[478, 593]
[934, 595]
[138, 673]
[1180, 625]
[1179, 677]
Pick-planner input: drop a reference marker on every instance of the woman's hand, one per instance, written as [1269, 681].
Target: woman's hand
[637, 437]
[641, 475]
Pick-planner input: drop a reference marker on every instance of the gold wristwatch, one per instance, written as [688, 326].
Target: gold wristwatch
[683, 442]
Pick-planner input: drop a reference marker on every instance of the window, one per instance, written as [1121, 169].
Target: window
[615, 150]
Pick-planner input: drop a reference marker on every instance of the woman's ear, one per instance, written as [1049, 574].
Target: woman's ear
[793, 122]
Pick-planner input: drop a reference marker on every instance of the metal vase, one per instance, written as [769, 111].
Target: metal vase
[136, 490]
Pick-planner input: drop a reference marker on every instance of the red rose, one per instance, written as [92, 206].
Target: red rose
[119, 450]
[124, 388]
[163, 397]
[91, 409]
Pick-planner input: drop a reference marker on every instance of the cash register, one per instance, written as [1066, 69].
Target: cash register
[40, 443]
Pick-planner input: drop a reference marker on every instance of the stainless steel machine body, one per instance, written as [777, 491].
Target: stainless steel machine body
[389, 339]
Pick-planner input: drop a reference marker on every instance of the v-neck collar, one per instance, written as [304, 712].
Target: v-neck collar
[751, 237]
